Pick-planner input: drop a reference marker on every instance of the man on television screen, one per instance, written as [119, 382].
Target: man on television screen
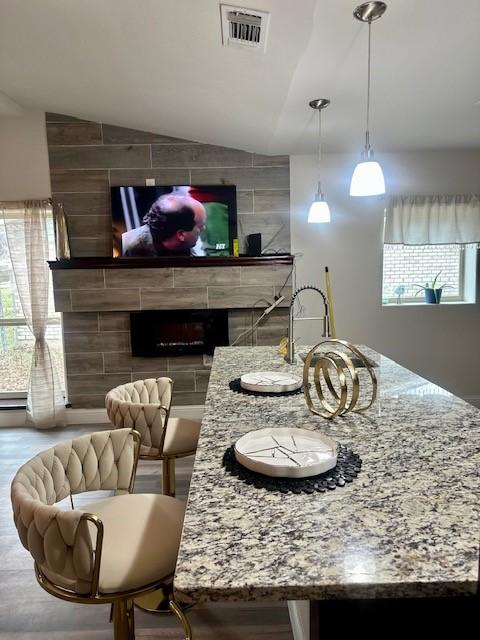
[172, 226]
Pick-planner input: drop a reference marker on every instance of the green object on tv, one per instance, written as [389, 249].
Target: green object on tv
[215, 236]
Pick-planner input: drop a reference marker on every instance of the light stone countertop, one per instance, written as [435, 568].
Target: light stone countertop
[408, 526]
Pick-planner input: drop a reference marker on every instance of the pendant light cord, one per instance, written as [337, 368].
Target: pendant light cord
[367, 129]
[367, 178]
[319, 149]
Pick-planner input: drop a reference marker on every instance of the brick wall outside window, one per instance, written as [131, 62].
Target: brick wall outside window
[410, 265]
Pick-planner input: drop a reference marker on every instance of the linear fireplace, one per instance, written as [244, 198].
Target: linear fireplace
[169, 333]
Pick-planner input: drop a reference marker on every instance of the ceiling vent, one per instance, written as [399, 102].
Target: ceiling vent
[246, 28]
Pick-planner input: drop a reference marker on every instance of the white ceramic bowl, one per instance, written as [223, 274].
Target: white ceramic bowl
[270, 381]
[286, 452]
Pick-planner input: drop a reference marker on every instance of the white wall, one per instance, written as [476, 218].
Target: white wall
[24, 171]
[439, 342]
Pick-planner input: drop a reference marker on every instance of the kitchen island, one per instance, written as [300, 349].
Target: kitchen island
[406, 527]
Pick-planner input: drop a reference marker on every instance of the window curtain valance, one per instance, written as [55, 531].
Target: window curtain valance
[420, 220]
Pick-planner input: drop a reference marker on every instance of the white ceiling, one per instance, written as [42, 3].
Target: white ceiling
[159, 65]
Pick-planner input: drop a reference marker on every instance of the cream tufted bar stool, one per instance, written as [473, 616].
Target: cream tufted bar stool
[109, 551]
[144, 405]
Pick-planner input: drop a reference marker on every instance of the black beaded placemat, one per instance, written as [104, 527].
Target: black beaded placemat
[346, 470]
[237, 387]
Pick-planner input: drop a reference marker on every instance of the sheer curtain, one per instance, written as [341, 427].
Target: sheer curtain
[26, 231]
[421, 220]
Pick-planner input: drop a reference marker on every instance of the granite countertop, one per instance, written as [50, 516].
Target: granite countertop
[407, 526]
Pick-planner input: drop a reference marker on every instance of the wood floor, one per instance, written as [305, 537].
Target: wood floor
[29, 613]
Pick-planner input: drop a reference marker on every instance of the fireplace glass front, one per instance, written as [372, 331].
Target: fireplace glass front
[173, 333]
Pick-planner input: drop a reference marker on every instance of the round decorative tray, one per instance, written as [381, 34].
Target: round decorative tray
[349, 465]
[270, 382]
[285, 452]
[234, 385]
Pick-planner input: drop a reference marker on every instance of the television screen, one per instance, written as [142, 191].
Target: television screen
[174, 220]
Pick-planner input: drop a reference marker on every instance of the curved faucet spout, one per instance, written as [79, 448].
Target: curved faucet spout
[326, 320]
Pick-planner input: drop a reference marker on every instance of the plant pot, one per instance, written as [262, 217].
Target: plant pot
[433, 296]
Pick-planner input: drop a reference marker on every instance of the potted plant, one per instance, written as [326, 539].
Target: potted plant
[432, 292]
[399, 291]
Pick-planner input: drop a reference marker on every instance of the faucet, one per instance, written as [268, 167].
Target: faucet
[290, 357]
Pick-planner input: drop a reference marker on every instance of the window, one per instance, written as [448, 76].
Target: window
[16, 340]
[405, 266]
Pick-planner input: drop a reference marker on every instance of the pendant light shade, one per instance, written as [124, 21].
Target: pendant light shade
[319, 211]
[367, 179]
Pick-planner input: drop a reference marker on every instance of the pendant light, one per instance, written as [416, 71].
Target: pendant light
[367, 179]
[319, 210]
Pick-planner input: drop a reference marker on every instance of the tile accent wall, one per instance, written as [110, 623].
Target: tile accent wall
[98, 357]
[184, 288]
[86, 158]
[96, 321]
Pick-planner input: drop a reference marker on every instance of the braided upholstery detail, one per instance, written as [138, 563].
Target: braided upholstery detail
[60, 541]
[142, 405]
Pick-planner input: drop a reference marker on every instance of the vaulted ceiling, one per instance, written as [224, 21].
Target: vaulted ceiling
[159, 65]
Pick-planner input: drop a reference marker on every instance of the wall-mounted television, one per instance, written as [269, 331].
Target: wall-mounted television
[183, 220]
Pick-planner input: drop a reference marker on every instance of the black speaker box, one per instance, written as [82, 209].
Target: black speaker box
[254, 244]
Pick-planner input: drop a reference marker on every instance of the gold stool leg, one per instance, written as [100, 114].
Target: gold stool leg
[123, 621]
[131, 619]
[168, 477]
[177, 610]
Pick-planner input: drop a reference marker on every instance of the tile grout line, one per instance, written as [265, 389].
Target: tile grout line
[121, 145]
[173, 166]
[105, 192]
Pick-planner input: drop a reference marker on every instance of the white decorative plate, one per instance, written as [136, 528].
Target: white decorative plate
[270, 382]
[286, 452]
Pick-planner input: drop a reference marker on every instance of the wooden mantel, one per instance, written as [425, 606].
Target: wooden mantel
[170, 262]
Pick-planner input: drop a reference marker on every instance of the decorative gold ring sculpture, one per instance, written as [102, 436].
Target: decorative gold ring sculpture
[322, 367]
[347, 397]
